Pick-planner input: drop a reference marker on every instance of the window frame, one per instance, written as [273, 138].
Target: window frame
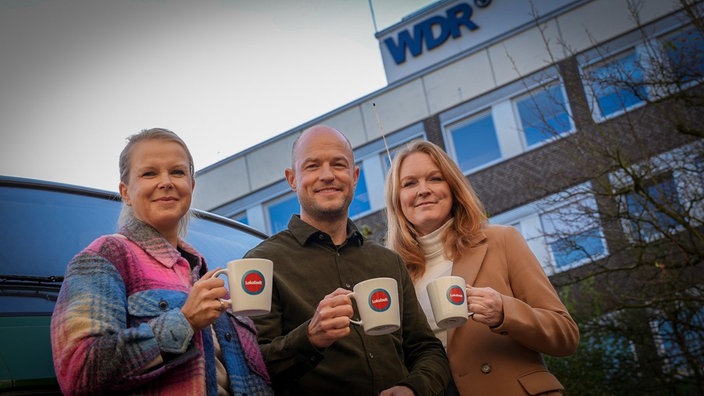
[565, 201]
[532, 227]
[467, 120]
[681, 164]
[668, 37]
[507, 126]
[604, 61]
[544, 87]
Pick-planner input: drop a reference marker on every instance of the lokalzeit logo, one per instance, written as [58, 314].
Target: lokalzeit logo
[379, 300]
[253, 282]
[455, 295]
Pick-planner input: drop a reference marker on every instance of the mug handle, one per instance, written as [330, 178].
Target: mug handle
[220, 272]
[357, 322]
[469, 313]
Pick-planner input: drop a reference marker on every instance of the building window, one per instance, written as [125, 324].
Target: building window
[573, 234]
[241, 217]
[280, 212]
[688, 172]
[563, 230]
[543, 114]
[646, 209]
[616, 350]
[685, 54]
[678, 338]
[616, 84]
[475, 142]
[662, 194]
[526, 220]
[360, 202]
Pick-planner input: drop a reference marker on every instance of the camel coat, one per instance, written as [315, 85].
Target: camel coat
[507, 360]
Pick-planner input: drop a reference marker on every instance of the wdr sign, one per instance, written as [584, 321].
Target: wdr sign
[451, 28]
[433, 32]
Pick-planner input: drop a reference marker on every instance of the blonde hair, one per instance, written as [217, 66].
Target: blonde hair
[467, 210]
[126, 215]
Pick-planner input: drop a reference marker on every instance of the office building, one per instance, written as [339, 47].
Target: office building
[576, 121]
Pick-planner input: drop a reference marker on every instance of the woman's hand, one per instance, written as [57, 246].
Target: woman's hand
[203, 304]
[486, 305]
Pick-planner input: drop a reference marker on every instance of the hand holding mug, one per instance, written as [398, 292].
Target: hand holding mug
[487, 305]
[202, 305]
[331, 320]
[448, 301]
[377, 303]
[250, 281]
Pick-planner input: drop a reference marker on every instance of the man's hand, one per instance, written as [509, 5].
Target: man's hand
[398, 391]
[331, 320]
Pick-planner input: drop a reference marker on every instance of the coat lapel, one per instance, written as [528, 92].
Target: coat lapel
[468, 265]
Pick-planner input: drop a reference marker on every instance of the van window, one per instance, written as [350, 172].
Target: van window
[219, 243]
[43, 229]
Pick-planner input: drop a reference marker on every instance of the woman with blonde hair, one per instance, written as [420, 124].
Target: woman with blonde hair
[139, 312]
[438, 225]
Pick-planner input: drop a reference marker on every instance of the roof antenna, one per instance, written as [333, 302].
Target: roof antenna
[371, 8]
[381, 129]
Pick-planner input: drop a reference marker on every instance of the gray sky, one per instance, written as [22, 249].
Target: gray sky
[78, 76]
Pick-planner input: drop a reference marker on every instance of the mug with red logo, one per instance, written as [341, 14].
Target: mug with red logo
[377, 303]
[249, 281]
[448, 301]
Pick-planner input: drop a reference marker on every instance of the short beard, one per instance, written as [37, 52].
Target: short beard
[332, 214]
[329, 215]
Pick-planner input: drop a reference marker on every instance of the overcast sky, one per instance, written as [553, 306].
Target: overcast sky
[79, 76]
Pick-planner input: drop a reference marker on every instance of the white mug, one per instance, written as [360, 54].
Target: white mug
[448, 300]
[249, 281]
[377, 303]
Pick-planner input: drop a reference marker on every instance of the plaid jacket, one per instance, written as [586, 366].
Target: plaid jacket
[119, 311]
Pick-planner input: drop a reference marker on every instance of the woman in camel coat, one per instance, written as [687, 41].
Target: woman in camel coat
[437, 224]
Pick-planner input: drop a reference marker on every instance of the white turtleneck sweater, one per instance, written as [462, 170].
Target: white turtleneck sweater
[436, 265]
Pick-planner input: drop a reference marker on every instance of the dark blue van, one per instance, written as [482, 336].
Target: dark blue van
[44, 225]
